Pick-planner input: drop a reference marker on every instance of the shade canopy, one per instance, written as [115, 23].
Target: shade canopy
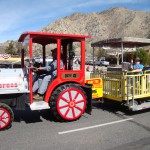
[128, 42]
[123, 42]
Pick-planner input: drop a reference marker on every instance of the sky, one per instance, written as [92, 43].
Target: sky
[18, 16]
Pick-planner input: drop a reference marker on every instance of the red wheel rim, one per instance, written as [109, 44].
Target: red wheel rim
[71, 104]
[4, 118]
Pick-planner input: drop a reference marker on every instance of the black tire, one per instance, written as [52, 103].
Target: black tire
[6, 116]
[65, 109]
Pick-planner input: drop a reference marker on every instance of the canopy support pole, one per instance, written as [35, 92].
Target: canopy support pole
[122, 50]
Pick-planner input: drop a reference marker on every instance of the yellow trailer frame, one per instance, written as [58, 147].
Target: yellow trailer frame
[126, 87]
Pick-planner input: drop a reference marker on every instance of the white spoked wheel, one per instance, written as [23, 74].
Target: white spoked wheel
[71, 104]
[6, 116]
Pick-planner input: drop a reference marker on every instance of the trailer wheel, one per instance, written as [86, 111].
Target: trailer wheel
[135, 103]
[68, 102]
[130, 109]
[6, 116]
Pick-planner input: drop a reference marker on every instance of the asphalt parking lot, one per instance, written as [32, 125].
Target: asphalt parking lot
[110, 127]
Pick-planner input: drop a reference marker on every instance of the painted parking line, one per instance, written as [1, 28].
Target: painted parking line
[95, 126]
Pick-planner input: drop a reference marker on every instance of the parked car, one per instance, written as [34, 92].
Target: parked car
[102, 63]
[40, 60]
[89, 62]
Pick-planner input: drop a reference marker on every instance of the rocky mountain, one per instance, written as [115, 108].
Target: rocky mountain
[111, 23]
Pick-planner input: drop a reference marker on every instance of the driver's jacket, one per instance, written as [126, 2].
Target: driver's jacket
[52, 68]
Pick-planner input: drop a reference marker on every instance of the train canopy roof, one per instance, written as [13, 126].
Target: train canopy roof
[43, 37]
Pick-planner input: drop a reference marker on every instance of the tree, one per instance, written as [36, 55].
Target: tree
[142, 54]
[10, 49]
[148, 62]
[101, 53]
